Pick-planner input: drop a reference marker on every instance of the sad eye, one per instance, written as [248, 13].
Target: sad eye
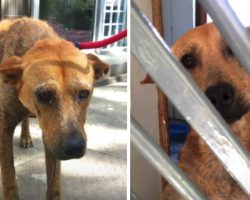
[83, 95]
[45, 97]
[189, 61]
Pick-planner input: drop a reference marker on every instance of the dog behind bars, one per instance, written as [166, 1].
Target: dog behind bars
[214, 67]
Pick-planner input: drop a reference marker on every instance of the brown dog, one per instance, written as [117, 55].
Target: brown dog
[43, 74]
[219, 74]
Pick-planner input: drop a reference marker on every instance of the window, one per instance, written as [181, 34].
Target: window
[111, 19]
[114, 19]
[72, 19]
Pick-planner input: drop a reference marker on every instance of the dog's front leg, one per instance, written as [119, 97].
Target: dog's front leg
[53, 168]
[10, 191]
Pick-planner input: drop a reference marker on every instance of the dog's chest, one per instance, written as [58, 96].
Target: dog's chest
[208, 174]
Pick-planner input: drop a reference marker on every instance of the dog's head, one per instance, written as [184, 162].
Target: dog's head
[55, 82]
[213, 65]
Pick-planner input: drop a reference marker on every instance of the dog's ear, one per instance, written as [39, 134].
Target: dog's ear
[11, 69]
[99, 67]
[147, 80]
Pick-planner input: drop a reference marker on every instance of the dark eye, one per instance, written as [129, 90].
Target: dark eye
[83, 95]
[189, 61]
[45, 97]
[229, 52]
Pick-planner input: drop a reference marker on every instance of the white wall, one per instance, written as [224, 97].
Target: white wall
[178, 18]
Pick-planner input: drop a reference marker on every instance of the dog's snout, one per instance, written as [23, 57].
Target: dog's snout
[74, 146]
[229, 103]
[221, 95]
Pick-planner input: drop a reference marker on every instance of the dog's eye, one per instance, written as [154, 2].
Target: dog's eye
[46, 97]
[229, 52]
[83, 95]
[188, 61]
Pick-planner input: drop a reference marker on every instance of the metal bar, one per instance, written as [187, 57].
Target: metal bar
[133, 195]
[158, 158]
[155, 56]
[234, 33]
[35, 5]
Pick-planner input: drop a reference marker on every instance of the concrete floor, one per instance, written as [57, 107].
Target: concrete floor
[102, 172]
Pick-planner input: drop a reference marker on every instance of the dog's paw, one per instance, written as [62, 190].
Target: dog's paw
[26, 142]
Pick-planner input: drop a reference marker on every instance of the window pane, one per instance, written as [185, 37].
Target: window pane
[72, 19]
[114, 17]
[114, 30]
[107, 17]
[106, 30]
[121, 17]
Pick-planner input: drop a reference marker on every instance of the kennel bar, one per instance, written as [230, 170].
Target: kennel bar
[158, 158]
[133, 195]
[234, 33]
[168, 73]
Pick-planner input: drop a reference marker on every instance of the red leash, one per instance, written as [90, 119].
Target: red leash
[102, 43]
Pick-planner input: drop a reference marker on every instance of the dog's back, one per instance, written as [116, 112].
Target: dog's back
[20, 34]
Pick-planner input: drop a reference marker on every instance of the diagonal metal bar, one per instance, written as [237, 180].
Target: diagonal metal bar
[155, 56]
[158, 158]
[234, 33]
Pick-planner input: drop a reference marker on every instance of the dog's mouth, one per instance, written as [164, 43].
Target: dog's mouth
[228, 102]
[61, 155]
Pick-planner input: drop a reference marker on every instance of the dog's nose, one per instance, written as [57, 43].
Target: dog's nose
[229, 103]
[221, 95]
[74, 146]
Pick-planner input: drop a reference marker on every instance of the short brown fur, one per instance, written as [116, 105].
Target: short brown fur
[34, 59]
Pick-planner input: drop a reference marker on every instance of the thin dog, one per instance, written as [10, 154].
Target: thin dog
[214, 67]
[47, 76]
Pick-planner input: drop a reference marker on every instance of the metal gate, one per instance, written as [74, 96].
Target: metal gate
[156, 57]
